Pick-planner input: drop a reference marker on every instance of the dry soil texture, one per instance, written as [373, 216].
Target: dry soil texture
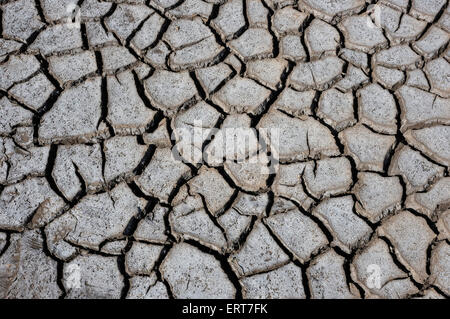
[337, 186]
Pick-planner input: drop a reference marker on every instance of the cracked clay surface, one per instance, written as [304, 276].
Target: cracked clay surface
[224, 149]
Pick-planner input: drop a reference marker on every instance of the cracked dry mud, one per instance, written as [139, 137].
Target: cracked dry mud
[94, 204]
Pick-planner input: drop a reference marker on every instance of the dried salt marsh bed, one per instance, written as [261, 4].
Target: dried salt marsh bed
[101, 198]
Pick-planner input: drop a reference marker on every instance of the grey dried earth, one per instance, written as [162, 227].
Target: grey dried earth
[108, 191]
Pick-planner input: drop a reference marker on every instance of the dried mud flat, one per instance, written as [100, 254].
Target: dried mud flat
[353, 201]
